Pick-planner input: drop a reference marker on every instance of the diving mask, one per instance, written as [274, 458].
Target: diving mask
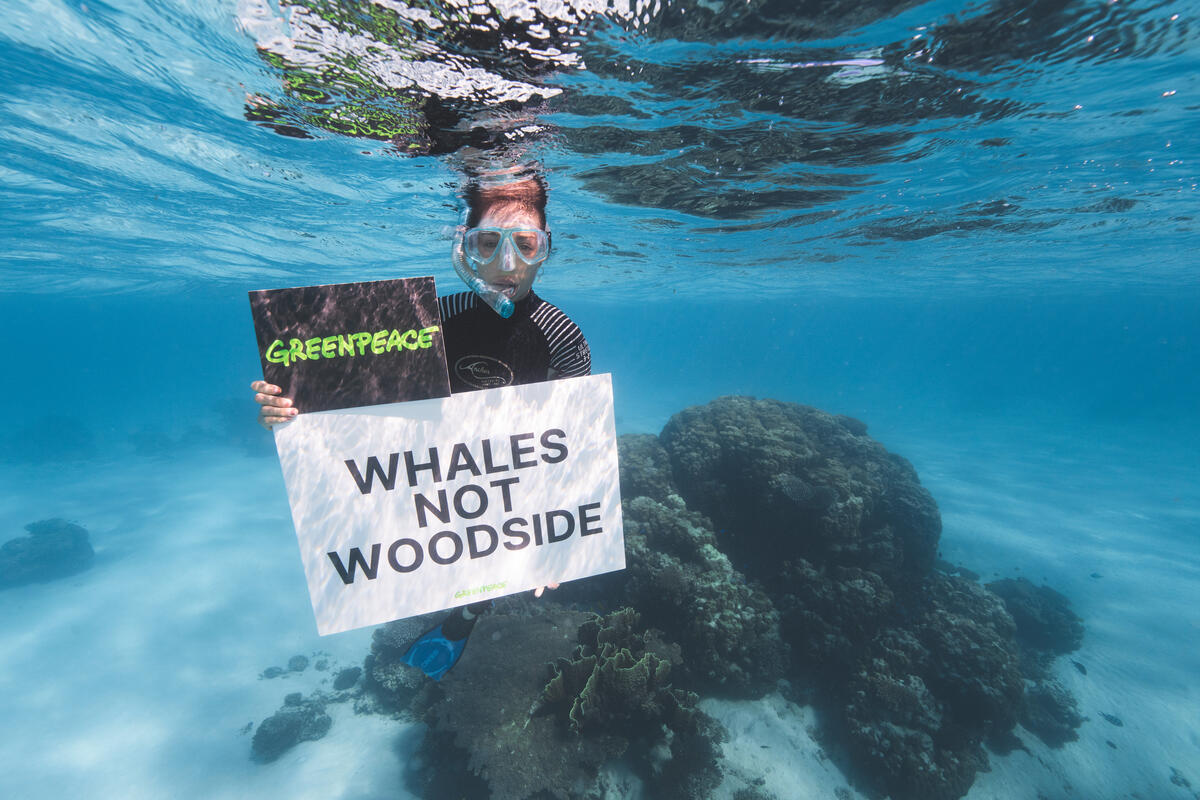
[476, 246]
[530, 245]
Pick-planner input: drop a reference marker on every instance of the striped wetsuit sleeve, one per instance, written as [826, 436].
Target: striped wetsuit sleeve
[569, 353]
[453, 304]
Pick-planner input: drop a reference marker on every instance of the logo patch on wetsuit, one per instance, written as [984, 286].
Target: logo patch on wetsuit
[483, 372]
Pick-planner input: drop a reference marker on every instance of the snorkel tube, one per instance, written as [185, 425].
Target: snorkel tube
[499, 303]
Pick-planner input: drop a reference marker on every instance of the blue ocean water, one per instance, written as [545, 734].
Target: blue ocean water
[970, 225]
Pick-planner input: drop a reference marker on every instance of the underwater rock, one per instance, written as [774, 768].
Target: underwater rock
[1051, 713]
[54, 548]
[297, 663]
[298, 720]
[785, 482]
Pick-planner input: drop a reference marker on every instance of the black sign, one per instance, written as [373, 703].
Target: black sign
[352, 344]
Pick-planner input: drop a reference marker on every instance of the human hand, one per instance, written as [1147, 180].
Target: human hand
[538, 591]
[273, 409]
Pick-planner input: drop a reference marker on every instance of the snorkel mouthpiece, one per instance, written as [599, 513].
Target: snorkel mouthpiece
[498, 301]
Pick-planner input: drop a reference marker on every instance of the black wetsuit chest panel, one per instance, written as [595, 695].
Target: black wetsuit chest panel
[484, 350]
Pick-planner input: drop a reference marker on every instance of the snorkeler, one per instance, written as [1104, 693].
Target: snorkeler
[500, 333]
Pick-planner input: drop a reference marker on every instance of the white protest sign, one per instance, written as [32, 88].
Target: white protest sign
[413, 507]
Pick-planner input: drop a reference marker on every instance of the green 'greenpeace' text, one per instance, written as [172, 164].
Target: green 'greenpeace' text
[349, 344]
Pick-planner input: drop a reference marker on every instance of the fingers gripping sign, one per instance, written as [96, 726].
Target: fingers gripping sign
[273, 409]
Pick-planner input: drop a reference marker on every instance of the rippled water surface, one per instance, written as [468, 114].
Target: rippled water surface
[972, 225]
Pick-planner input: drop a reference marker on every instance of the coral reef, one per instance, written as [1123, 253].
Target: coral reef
[53, 548]
[1046, 625]
[1046, 628]
[681, 582]
[298, 720]
[830, 543]
[480, 714]
[347, 678]
[617, 682]
[523, 728]
[764, 540]
[785, 481]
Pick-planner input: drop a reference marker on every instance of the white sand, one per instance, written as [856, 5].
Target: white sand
[135, 679]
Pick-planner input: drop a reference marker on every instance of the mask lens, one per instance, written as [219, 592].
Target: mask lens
[482, 245]
[529, 244]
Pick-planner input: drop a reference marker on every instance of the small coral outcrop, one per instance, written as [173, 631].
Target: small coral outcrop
[298, 720]
[53, 548]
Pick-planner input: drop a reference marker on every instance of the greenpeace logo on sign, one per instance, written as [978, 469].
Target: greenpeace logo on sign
[491, 587]
[348, 344]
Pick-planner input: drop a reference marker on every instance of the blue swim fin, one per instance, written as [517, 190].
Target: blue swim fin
[433, 653]
[437, 650]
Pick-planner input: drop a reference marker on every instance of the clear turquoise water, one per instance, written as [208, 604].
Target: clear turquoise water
[982, 243]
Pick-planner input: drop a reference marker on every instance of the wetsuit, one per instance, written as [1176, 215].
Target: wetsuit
[484, 350]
